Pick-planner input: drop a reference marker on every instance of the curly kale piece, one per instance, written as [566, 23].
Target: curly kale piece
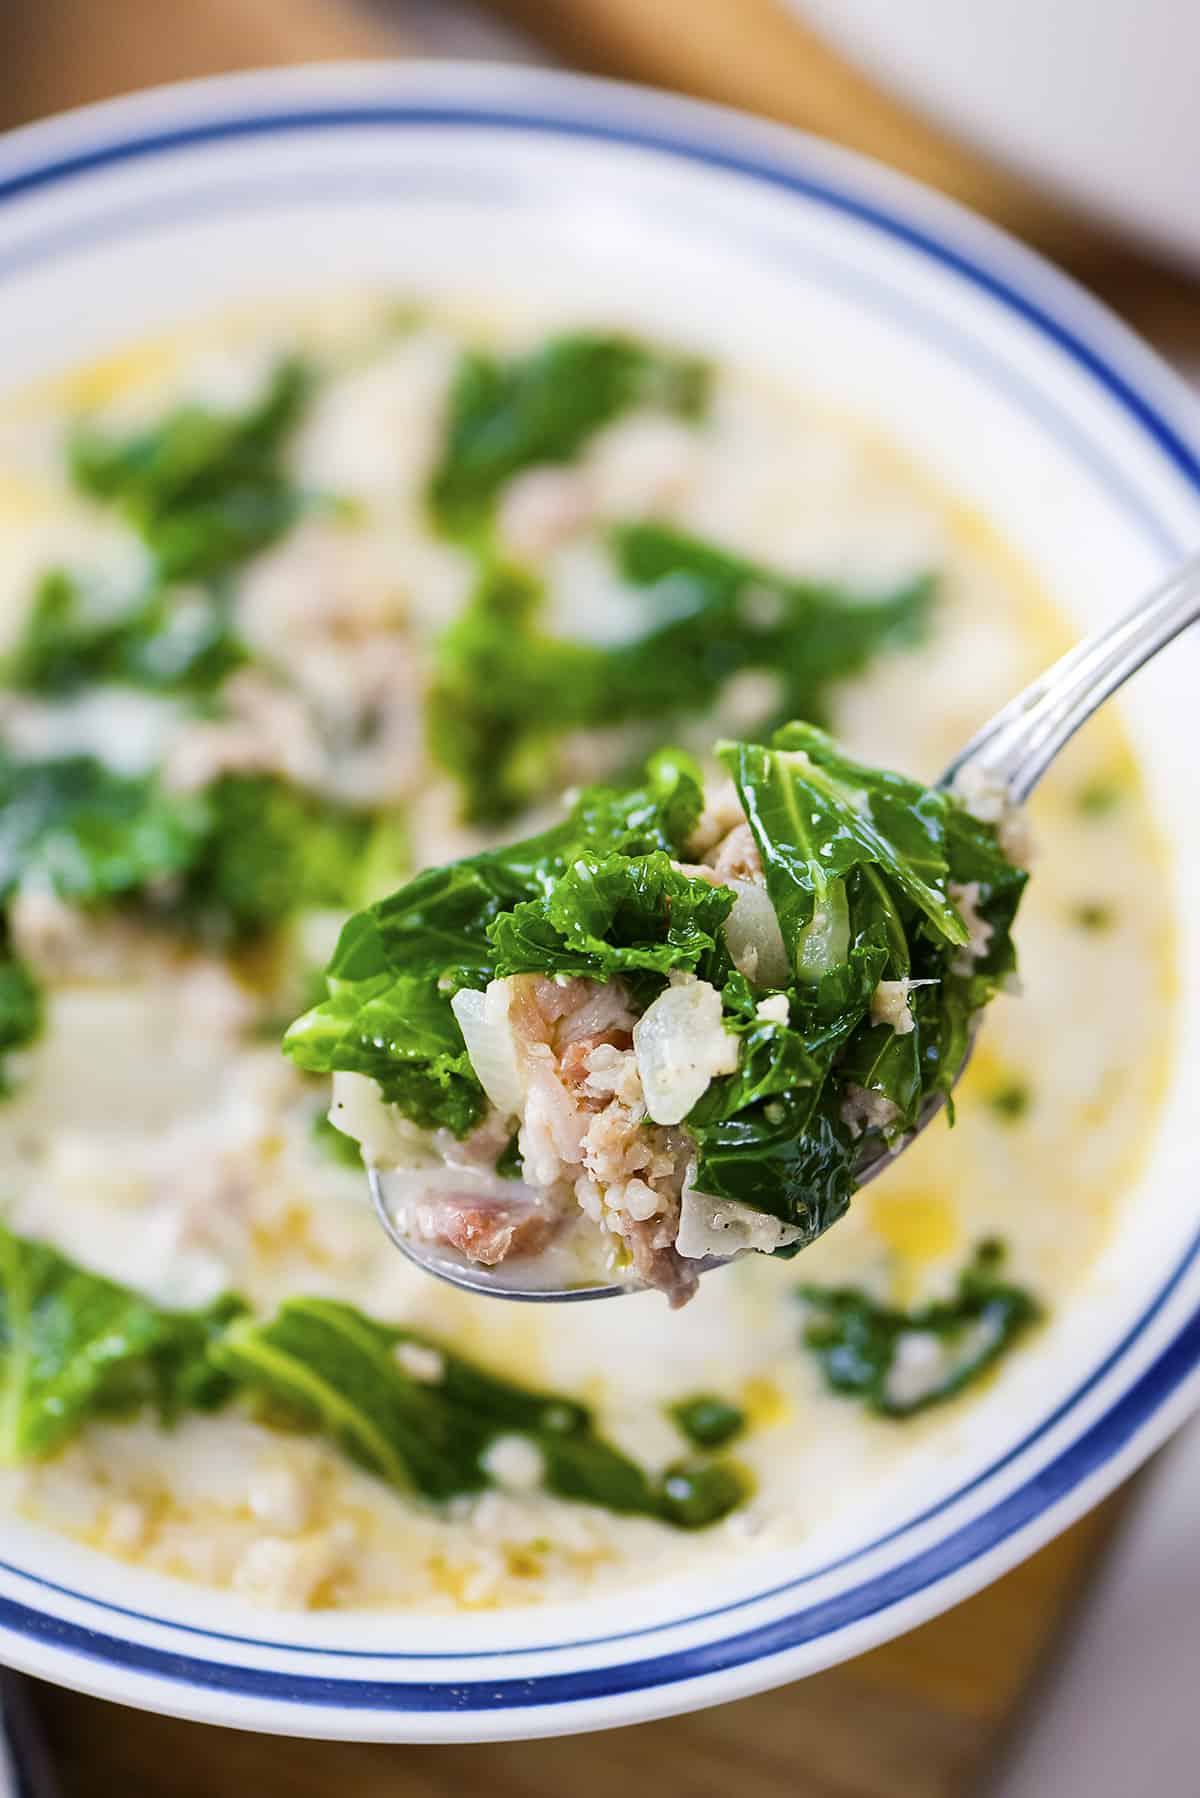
[543, 407]
[205, 489]
[507, 691]
[902, 1362]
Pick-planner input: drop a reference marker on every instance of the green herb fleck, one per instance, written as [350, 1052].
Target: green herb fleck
[1011, 1100]
[707, 1420]
[1093, 916]
[1098, 798]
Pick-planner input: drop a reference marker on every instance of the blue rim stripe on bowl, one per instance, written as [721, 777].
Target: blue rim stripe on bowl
[1103, 1439]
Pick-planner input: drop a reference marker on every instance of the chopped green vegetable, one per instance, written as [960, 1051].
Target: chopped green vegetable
[543, 407]
[74, 1346]
[431, 1428]
[900, 1362]
[723, 613]
[330, 1363]
[227, 862]
[860, 865]
[508, 1164]
[398, 963]
[205, 489]
[707, 1420]
[614, 914]
[172, 640]
[696, 1494]
[90, 834]
[20, 1011]
[506, 691]
[270, 850]
[817, 818]
[508, 1405]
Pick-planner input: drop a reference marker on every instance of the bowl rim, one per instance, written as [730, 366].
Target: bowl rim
[189, 115]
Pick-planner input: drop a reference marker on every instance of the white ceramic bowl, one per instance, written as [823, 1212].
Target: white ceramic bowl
[1007, 383]
[1096, 98]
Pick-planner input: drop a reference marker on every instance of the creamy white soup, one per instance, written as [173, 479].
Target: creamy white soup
[235, 710]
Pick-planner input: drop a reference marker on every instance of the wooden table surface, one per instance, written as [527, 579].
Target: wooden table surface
[924, 1716]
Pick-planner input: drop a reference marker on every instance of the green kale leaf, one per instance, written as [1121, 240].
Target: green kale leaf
[173, 640]
[398, 963]
[506, 691]
[20, 1011]
[90, 834]
[205, 489]
[269, 850]
[225, 864]
[816, 816]
[543, 407]
[75, 1346]
[859, 865]
[901, 1362]
[615, 914]
[809, 633]
[429, 1427]
[707, 1420]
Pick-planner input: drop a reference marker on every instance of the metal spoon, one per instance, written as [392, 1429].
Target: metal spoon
[1010, 754]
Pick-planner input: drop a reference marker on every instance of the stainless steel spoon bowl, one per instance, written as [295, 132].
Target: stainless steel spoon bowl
[1009, 756]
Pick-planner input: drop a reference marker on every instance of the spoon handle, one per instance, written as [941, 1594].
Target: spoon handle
[1014, 749]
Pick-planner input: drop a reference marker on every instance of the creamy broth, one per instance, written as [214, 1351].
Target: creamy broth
[157, 1135]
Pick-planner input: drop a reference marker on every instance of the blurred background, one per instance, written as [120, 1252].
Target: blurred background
[1074, 125]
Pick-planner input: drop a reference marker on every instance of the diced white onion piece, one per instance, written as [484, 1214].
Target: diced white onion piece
[709, 1226]
[387, 1139]
[752, 925]
[680, 1046]
[889, 1004]
[483, 1020]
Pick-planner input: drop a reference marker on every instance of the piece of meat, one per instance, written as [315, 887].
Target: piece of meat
[573, 1067]
[484, 1230]
[658, 1263]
